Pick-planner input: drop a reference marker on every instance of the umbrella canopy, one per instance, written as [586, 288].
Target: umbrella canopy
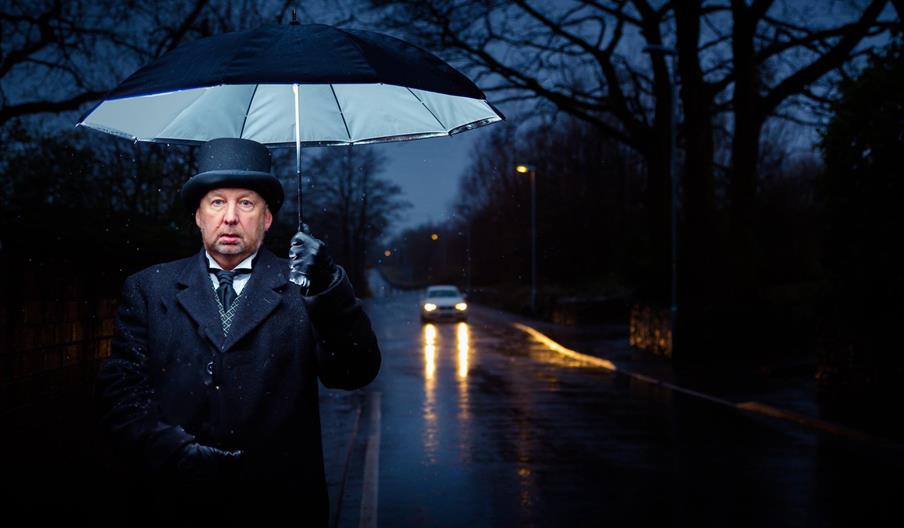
[293, 85]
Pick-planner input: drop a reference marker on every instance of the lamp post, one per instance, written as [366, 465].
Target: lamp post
[673, 176]
[468, 255]
[530, 169]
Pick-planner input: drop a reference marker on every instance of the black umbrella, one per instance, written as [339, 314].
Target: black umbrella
[293, 85]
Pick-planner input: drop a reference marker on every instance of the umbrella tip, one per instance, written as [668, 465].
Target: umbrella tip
[294, 21]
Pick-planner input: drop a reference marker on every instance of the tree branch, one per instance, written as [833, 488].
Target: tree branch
[834, 58]
[37, 107]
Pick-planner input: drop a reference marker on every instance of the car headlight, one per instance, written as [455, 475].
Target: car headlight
[429, 307]
[461, 306]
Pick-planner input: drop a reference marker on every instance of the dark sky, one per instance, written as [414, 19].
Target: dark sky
[428, 170]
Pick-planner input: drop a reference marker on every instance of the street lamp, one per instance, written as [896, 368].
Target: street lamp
[530, 169]
[673, 176]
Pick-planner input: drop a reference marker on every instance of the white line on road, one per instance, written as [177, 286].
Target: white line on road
[370, 493]
[337, 509]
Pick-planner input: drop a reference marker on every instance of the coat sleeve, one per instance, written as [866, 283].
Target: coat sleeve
[348, 356]
[126, 401]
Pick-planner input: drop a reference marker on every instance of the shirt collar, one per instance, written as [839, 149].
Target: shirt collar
[243, 264]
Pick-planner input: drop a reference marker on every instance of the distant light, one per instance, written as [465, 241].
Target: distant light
[429, 307]
[387, 253]
[434, 236]
[461, 306]
[522, 169]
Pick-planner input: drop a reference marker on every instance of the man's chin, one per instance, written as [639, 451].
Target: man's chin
[228, 249]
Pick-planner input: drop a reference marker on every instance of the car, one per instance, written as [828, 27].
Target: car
[443, 302]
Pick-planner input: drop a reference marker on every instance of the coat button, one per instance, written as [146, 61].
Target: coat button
[210, 368]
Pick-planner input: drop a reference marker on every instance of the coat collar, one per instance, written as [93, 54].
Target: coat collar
[261, 296]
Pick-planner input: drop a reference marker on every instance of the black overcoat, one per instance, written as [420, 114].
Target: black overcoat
[173, 378]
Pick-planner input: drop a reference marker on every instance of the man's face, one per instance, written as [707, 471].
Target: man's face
[232, 223]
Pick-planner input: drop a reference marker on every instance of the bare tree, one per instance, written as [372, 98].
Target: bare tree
[58, 55]
[739, 62]
[571, 58]
[350, 205]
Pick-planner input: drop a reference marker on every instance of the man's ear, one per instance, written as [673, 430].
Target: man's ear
[198, 217]
[268, 218]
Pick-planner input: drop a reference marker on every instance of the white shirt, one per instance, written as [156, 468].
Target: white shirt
[240, 279]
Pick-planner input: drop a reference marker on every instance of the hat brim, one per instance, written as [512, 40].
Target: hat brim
[263, 183]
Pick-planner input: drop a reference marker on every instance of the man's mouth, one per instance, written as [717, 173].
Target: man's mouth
[229, 238]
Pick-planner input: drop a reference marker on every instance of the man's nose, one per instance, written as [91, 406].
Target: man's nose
[232, 216]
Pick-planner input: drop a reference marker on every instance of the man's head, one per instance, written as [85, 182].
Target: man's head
[234, 197]
[232, 222]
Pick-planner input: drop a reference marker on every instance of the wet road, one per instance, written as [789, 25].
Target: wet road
[480, 425]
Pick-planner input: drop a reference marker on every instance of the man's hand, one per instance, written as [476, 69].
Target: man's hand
[309, 258]
[201, 462]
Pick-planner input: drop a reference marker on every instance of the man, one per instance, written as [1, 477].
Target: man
[210, 391]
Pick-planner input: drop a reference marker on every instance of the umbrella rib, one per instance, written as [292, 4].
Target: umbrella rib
[245, 120]
[427, 107]
[339, 106]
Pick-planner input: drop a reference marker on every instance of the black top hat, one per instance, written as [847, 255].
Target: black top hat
[235, 163]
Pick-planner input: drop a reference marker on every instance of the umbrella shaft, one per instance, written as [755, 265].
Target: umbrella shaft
[298, 155]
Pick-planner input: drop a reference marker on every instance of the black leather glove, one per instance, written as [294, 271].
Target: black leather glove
[309, 259]
[201, 462]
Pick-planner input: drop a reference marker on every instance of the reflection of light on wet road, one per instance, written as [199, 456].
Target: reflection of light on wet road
[429, 350]
[524, 445]
[463, 343]
[430, 418]
[574, 358]
[463, 334]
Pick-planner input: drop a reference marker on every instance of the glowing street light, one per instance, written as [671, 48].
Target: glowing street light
[434, 236]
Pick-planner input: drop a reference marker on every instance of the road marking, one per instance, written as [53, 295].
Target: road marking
[370, 493]
[348, 457]
[805, 420]
[750, 406]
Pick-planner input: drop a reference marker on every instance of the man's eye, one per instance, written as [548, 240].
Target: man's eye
[217, 202]
[247, 203]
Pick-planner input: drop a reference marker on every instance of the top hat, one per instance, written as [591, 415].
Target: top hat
[233, 163]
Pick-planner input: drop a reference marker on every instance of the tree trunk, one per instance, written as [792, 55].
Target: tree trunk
[741, 291]
[697, 265]
[658, 202]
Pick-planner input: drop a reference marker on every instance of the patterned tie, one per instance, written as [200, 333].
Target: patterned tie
[225, 291]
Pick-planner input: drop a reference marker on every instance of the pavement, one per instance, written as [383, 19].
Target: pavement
[784, 389]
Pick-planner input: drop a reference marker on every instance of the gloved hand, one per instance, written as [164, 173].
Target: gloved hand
[309, 259]
[200, 462]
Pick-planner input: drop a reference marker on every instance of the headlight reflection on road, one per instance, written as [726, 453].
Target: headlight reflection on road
[431, 431]
[429, 350]
[465, 434]
[463, 335]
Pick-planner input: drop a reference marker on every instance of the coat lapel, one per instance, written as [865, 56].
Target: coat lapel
[198, 298]
[260, 296]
